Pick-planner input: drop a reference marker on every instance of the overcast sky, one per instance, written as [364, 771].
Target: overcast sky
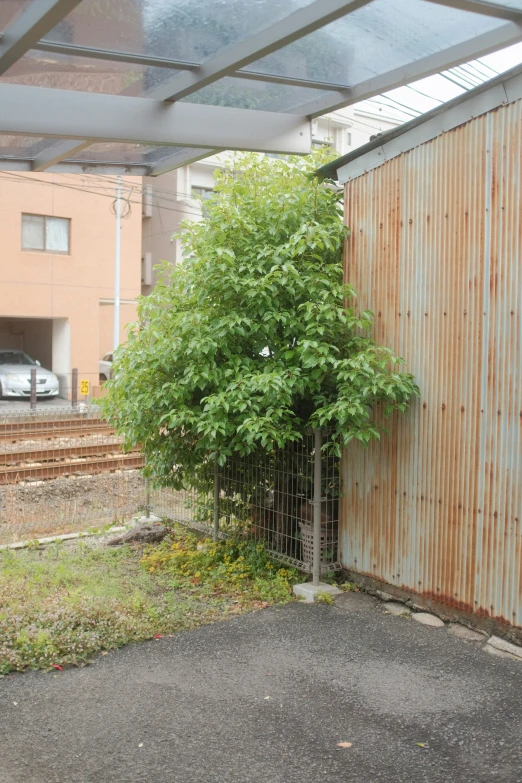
[425, 94]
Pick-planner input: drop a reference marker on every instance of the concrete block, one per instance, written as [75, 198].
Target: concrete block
[500, 653]
[384, 596]
[503, 646]
[153, 519]
[428, 619]
[465, 633]
[308, 592]
[398, 610]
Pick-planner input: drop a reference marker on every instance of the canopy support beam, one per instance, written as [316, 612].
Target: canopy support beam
[36, 21]
[93, 117]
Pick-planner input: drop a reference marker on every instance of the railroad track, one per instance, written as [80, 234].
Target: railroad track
[48, 459]
[13, 474]
[16, 431]
[55, 453]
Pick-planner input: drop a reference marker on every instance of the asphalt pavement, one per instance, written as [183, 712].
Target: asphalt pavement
[267, 698]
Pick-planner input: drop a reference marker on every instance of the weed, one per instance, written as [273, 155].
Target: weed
[349, 587]
[240, 567]
[324, 598]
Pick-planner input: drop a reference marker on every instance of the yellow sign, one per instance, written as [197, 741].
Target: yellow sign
[84, 388]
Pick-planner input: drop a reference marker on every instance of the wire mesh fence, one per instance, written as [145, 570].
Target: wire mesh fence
[193, 507]
[63, 469]
[270, 496]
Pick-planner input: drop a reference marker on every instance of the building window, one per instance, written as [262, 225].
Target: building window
[46, 234]
[349, 139]
[202, 192]
[205, 194]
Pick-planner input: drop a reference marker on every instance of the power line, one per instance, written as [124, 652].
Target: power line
[403, 108]
[11, 176]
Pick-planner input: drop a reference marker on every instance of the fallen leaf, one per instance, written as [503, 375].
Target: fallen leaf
[344, 744]
[55, 666]
[104, 652]
[422, 745]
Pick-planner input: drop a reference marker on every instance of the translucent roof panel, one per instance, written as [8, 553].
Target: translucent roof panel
[21, 146]
[188, 30]
[86, 74]
[380, 36]
[156, 84]
[10, 10]
[263, 96]
[130, 154]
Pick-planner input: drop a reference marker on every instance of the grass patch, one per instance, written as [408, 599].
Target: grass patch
[60, 605]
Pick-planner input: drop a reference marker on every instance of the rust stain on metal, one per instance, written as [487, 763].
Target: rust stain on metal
[438, 231]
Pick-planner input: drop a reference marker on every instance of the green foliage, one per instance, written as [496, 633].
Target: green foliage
[235, 565]
[254, 338]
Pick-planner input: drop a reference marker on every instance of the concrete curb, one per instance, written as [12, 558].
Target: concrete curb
[64, 537]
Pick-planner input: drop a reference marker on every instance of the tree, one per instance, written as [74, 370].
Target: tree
[253, 338]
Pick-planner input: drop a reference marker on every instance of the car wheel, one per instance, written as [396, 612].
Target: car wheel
[103, 378]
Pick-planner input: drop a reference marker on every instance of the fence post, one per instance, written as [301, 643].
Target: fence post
[74, 389]
[316, 561]
[216, 498]
[147, 498]
[33, 388]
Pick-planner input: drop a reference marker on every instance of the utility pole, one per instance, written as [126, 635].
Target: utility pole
[117, 266]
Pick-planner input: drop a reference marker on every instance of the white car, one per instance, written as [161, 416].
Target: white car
[15, 376]
[106, 368]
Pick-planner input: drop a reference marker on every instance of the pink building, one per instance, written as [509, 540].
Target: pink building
[57, 270]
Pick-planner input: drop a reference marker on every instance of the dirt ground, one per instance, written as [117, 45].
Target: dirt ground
[76, 503]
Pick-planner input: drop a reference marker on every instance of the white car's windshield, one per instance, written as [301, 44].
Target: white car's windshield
[15, 357]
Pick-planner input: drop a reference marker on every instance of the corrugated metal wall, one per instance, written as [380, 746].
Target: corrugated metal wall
[436, 507]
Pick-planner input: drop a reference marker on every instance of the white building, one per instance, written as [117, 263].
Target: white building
[170, 199]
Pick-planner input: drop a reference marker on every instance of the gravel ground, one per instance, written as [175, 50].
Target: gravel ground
[67, 505]
[59, 443]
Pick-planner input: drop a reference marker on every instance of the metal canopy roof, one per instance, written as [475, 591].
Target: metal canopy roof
[144, 86]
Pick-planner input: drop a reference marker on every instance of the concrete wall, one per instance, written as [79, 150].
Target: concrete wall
[47, 286]
[128, 314]
[172, 203]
